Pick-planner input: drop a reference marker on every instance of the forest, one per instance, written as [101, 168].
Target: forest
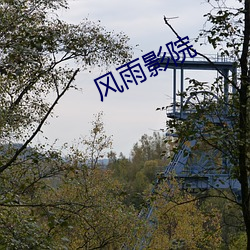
[50, 199]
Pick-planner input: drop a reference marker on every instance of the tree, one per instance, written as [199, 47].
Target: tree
[40, 58]
[36, 53]
[139, 172]
[91, 215]
[98, 142]
[229, 32]
[79, 207]
[51, 201]
[180, 222]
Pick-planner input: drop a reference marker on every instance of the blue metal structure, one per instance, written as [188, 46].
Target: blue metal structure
[217, 63]
[201, 172]
[196, 169]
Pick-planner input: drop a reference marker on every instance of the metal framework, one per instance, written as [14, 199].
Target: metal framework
[198, 63]
[200, 172]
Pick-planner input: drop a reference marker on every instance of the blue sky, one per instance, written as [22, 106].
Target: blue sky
[130, 114]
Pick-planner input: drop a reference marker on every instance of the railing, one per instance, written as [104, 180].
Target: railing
[179, 109]
[212, 57]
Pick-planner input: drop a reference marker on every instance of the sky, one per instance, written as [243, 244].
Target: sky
[127, 115]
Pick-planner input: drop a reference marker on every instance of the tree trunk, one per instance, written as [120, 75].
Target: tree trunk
[244, 120]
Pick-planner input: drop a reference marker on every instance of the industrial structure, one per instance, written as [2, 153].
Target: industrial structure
[201, 172]
[197, 169]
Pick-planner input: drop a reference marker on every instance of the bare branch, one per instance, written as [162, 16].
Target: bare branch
[202, 55]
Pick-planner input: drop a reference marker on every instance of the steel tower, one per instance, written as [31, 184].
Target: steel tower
[201, 171]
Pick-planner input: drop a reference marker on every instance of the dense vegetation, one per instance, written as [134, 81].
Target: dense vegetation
[53, 201]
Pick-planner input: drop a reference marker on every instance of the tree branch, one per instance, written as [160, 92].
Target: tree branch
[202, 55]
[8, 164]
